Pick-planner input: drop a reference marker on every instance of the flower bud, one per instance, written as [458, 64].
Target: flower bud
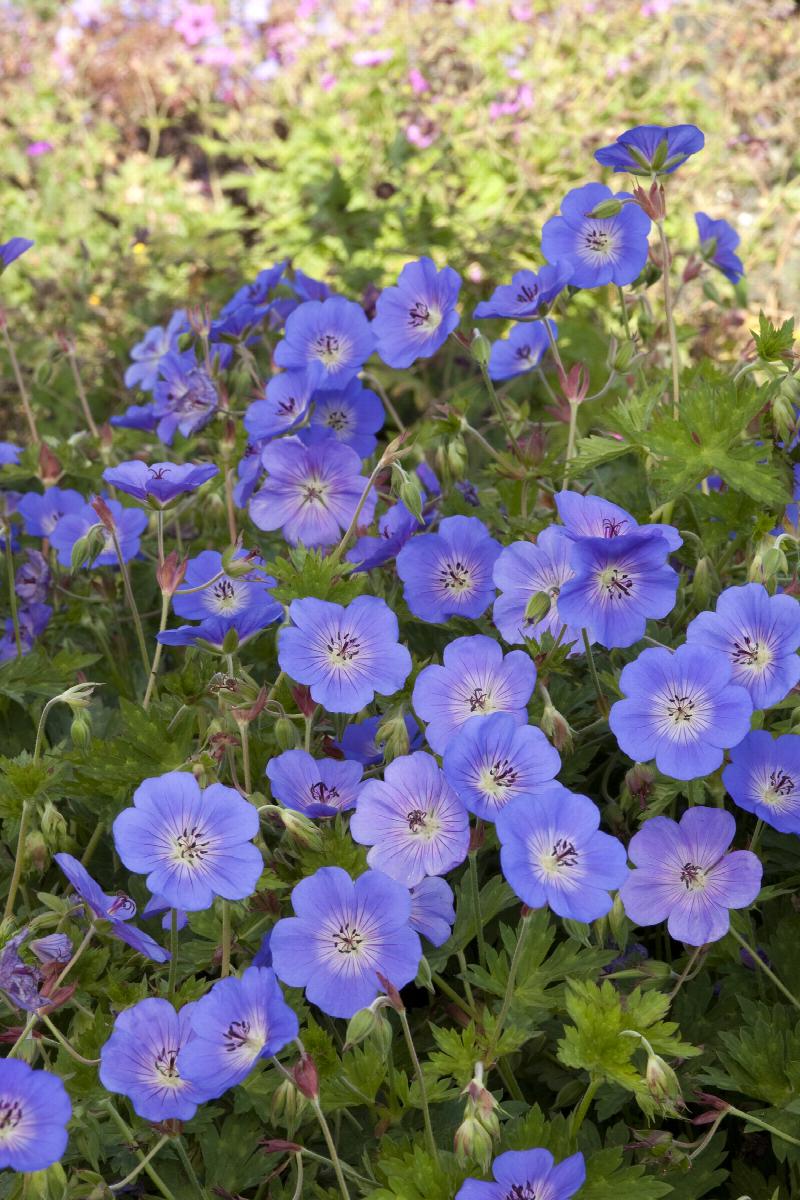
[170, 573]
[287, 1103]
[624, 357]
[235, 564]
[653, 201]
[306, 1077]
[392, 994]
[49, 466]
[392, 734]
[639, 782]
[557, 728]
[480, 347]
[618, 923]
[86, 549]
[80, 731]
[473, 1143]
[538, 607]
[53, 825]
[661, 1080]
[286, 735]
[606, 208]
[457, 457]
[359, 1027]
[36, 850]
[703, 582]
[104, 513]
[408, 489]
[300, 828]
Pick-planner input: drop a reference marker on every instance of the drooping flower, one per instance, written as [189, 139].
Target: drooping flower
[192, 844]
[19, 981]
[160, 484]
[34, 1112]
[353, 416]
[136, 416]
[358, 740]
[224, 634]
[13, 249]
[32, 580]
[494, 759]
[475, 680]
[600, 249]
[528, 1175]
[619, 584]
[130, 524]
[416, 316]
[395, 527]
[433, 911]
[412, 819]
[237, 1022]
[594, 517]
[316, 787]
[52, 948]
[344, 933]
[118, 909]
[140, 1061]
[345, 655]
[523, 349]
[41, 512]
[148, 353]
[652, 149]
[682, 709]
[449, 573]
[521, 571]
[685, 876]
[184, 396]
[311, 492]
[284, 406]
[763, 777]
[529, 295]
[227, 597]
[759, 634]
[718, 242]
[331, 339]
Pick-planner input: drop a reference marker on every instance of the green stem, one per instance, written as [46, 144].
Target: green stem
[685, 973]
[129, 1178]
[423, 1094]
[93, 843]
[571, 437]
[126, 583]
[151, 682]
[62, 1041]
[583, 1108]
[476, 904]
[244, 735]
[81, 390]
[554, 347]
[443, 986]
[509, 992]
[12, 595]
[624, 308]
[190, 1171]
[130, 1139]
[759, 962]
[26, 1029]
[673, 337]
[500, 410]
[19, 860]
[738, 1112]
[487, 446]
[225, 965]
[87, 937]
[462, 963]
[332, 1151]
[23, 391]
[160, 535]
[351, 528]
[320, 1158]
[601, 700]
[172, 983]
[755, 839]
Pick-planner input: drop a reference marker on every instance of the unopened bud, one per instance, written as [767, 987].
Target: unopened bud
[304, 700]
[639, 781]
[473, 1143]
[300, 828]
[618, 923]
[287, 1103]
[80, 731]
[703, 582]
[170, 573]
[538, 607]
[87, 548]
[457, 457]
[235, 564]
[710, 292]
[557, 728]
[53, 824]
[104, 512]
[661, 1080]
[49, 465]
[480, 347]
[392, 734]
[36, 850]
[606, 208]
[306, 1077]
[286, 735]
[623, 357]
[407, 488]
[393, 995]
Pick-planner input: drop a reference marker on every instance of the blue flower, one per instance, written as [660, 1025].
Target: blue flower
[529, 295]
[229, 596]
[685, 876]
[140, 1061]
[160, 484]
[433, 911]
[682, 709]
[284, 406]
[345, 655]
[449, 573]
[395, 527]
[185, 397]
[256, 294]
[763, 777]
[358, 740]
[20, 981]
[118, 909]
[315, 787]
[308, 288]
[9, 454]
[552, 852]
[331, 339]
[594, 517]
[494, 759]
[217, 633]
[619, 584]
[13, 249]
[718, 241]
[353, 416]
[32, 580]
[652, 149]
[249, 472]
[412, 819]
[344, 933]
[192, 844]
[41, 512]
[147, 354]
[33, 620]
[52, 948]
[311, 492]
[137, 416]
[130, 524]
[475, 680]
[236, 1023]
[600, 249]
[523, 349]
[34, 1111]
[528, 1175]
[521, 571]
[416, 316]
[759, 634]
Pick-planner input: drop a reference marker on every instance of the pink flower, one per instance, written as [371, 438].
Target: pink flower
[371, 58]
[217, 56]
[327, 81]
[196, 22]
[37, 149]
[419, 83]
[422, 133]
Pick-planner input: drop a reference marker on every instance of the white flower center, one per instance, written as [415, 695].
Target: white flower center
[423, 317]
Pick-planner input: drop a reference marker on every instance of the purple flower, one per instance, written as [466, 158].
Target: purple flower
[553, 853]
[140, 1061]
[594, 517]
[521, 571]
[523, 349]
[308, 288]
[449, 573]
[685, 877]
[52, 948]
[41, 513]
[345, 655]
[681, 708]
[528, 1175]
[20, 981]
[371, 58]
[352, 416]
[147, 354]
[130, 524]
[237, 1022]
[412, 819]
[619, 584]
[433, 911]
[600, 249]
[763, 777]
[311, 492]
[185, 397]
[718, 241]
[33, 620]
[315, 787]
[9, 454]
[415, 317]
[475, 680]
[192, 844]
[160, 484]
[331, 339]
[32, 580]
[13, 249]
[652, 149]
[344, 933]
[223, 634]
[34, 1112]
[395, 527]
[358, 740]
[759, 634]
[256, 294]
[529, 295]
[227, 597]
[117, 909]
[285, 404]
[494, 759]
[137, 416]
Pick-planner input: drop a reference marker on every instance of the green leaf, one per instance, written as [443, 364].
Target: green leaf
[313, 573]
[773, 342]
